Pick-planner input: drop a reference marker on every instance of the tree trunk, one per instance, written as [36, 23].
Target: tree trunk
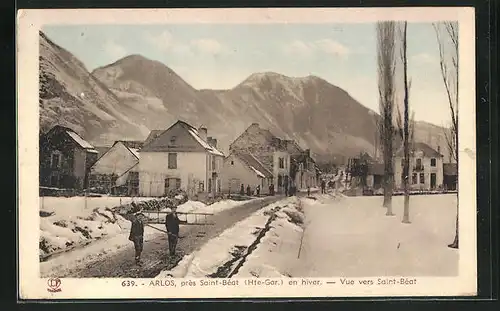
[406, 133]
[455, 240]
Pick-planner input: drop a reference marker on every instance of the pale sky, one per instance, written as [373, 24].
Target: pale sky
[222, 56]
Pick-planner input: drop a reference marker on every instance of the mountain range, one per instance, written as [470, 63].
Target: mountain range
[134, 95]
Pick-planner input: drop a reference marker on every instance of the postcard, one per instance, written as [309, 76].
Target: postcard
[246, 153]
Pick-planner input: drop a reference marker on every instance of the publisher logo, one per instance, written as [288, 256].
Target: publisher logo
[54, 285]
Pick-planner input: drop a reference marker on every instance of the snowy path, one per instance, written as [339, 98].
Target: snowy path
[154, 257]
[352, 237]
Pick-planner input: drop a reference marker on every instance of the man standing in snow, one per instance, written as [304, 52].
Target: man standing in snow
[137, 232]
[323, 186]
[172, 224]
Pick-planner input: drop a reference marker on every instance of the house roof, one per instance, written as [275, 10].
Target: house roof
[102, 149]
[270, 139]
[131, 143]
[254, 164]
[375, 169]
[152, 135]
[450, 169]
[191, 130]
[293, 147]
[426, 149]
[77, 139]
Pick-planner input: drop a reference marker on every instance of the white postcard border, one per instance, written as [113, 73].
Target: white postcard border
[31, 286]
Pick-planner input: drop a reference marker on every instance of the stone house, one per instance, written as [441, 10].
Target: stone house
[270, 150]
[65, 159]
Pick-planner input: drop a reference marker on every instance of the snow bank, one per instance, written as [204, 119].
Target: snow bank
[276, 253]
[60, 265]
[66, 223]
[269, 228]
[60, 232]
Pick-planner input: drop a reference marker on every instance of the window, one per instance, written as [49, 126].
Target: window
[210, 185]
[414, 178]
[173, 139]
[232, 162]
[433, 162]
[201, 187]
[213, 163]
[177, 183]
[422, 179]
[281, 162]
[280, 181]
[172, 160]
[55, 160]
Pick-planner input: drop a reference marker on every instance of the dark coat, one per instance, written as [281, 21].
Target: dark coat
[172, 223]
[137, 228]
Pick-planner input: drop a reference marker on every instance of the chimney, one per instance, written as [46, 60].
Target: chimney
[214, 142]
[203, 133]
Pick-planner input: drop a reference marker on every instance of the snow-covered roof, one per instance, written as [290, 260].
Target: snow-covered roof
[195, 134]
[80, 141]
[254, 164]
[92, 151]
[135, 152]
[257, 172]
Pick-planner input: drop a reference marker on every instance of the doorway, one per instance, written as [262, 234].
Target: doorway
[433, 180]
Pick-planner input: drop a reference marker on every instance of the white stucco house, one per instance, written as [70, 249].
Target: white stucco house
[180, 157]
[426, 168]
[245, 169]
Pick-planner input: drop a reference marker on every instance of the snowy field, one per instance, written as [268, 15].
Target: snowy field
[258, 246]
[102, 231]
[351, 236]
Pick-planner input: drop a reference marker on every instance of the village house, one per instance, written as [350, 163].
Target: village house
[181, 157]
[303, 170]
[270, 150]
[450, 176]
[117, 170]
[65, 159]
[426, 168]
[245, 169]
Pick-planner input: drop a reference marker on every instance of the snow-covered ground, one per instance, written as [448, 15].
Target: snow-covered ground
[108, 231]
[71, 222]
[269, 243]
[351, 236]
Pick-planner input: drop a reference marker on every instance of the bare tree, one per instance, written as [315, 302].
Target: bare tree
[447, 37]
[404, 129]
[386, 59]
